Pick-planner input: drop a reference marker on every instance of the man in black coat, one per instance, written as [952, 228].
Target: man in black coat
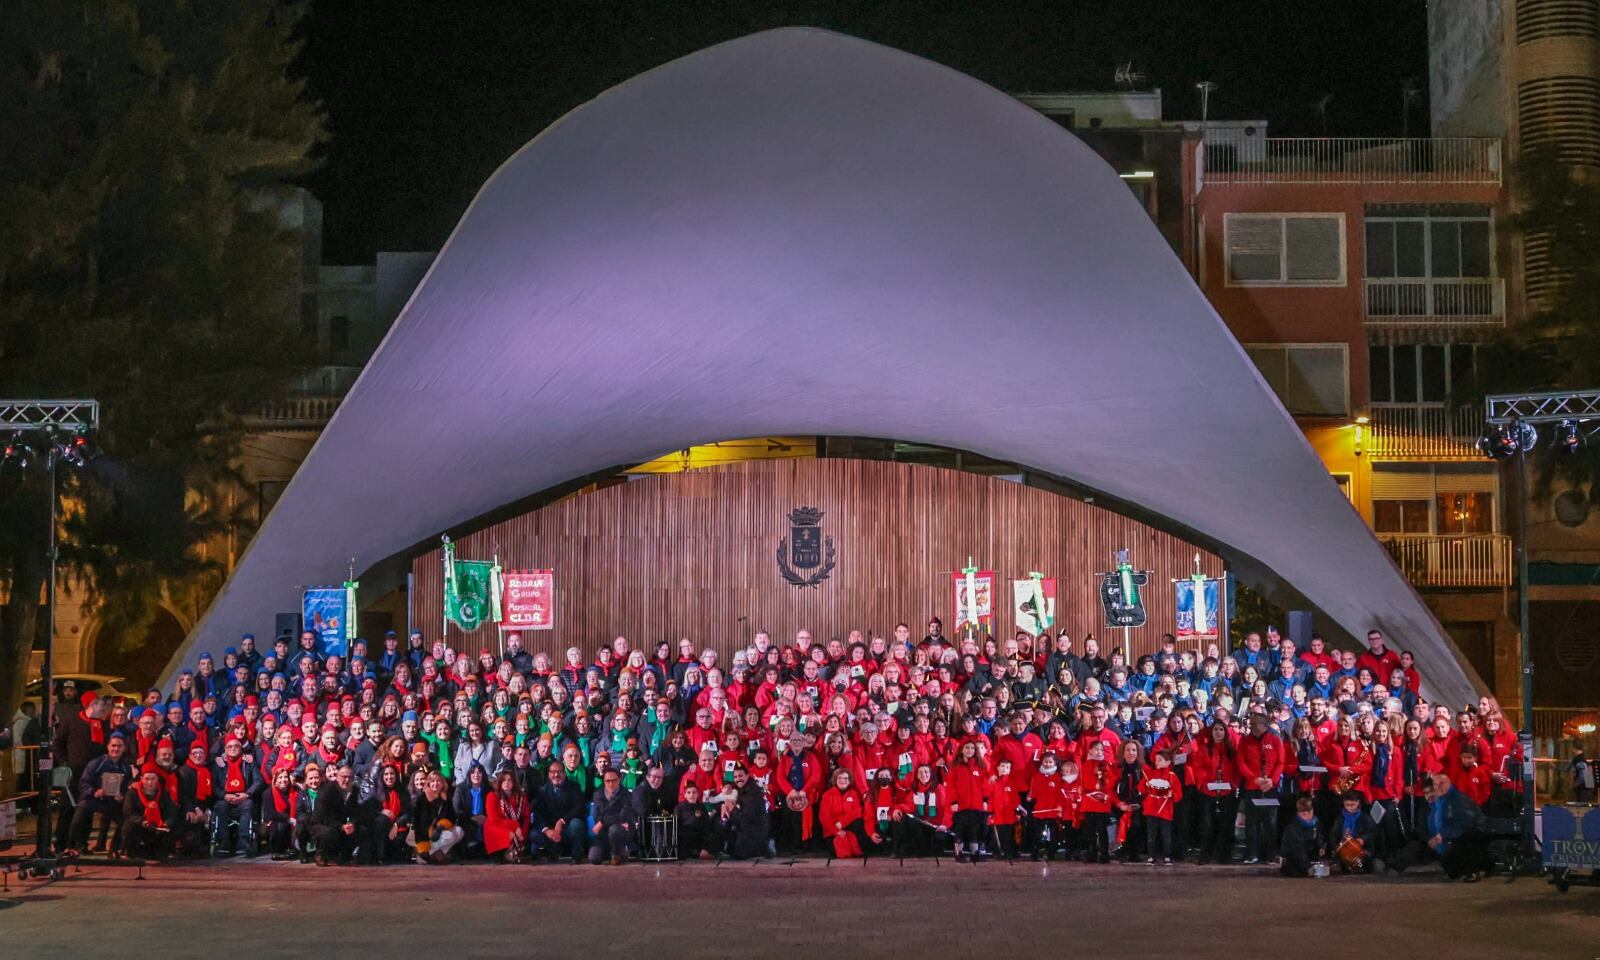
[339, 823]
[614, 821]
[79, 738]
[558, 817]
[746, 819]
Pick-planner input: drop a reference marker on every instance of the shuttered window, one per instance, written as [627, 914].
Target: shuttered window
[1311, 379]
[1284, 249]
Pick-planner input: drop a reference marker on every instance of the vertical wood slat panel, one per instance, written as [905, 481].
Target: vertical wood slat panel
[685, 555]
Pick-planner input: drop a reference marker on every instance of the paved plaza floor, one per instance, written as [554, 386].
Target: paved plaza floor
[779, 909]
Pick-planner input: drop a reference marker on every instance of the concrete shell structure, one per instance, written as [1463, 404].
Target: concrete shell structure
[803, 233]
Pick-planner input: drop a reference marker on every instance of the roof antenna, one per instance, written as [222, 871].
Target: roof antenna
[1322, 110]
[1126, 78]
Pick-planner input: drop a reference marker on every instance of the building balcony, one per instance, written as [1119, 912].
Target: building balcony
[1461, 560]
[294, 413]
[1424, 432]
[1246, 160]
[1462, 303]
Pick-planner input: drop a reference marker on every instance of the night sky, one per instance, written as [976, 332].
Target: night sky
[426, 99]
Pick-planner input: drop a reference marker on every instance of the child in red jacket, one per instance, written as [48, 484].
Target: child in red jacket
[1004, 802]
[1097, 786]
[967, 787]
[1472, 778]
[1048, 794]
[1161, 790]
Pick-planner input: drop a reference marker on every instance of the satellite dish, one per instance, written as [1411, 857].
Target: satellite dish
[1571, 508]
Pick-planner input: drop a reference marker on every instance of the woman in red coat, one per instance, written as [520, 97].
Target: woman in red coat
[1213, 773]
[967, 788]
[505, 827]
[840, 814]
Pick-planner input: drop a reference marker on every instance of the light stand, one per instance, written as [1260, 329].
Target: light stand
[60, 427]
[1518, 415]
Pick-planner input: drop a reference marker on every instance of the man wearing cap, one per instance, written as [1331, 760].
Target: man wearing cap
[148, 815]
[237, 783]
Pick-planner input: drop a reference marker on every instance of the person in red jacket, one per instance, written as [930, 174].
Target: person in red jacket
[1349, 760]
[799, 784]
[1004, 802]
[883, 813]
[505, 825]
[1050, 809]
[1472, 777]
[840, 814]
[1021, 748]
[1213, 778]
[1378, 657]
[1098, 782]
[1260, 758]
[1161, 790]
[926, 812]
[967, 789]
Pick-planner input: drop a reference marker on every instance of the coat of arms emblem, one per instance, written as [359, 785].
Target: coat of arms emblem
[805, 557]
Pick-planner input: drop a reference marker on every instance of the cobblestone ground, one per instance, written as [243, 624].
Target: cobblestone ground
[777, 909]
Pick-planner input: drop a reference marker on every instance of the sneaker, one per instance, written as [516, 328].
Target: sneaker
[1252, 861]
[1152, 861]
[1166, 861]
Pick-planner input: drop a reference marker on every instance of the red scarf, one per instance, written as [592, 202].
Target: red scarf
[144, 748]
[152, 809]
[97, 730]
[202, 780]
[201, 736]
[391, 805]
[286, 804]
[233, 782]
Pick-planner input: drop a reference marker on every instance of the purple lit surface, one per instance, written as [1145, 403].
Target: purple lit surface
[803, 233]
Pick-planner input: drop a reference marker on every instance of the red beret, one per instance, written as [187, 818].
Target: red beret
[87, 698]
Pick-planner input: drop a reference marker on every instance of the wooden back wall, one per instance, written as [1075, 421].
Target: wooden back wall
[687, 554]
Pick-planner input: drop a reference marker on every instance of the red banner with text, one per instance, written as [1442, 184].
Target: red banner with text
[529, 600]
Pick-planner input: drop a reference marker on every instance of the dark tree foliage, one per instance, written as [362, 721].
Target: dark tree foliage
[143, 263]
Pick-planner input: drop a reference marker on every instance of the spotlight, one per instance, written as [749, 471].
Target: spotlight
[1507, 440]
[73, 448]
[1569, 437]
[15, 452]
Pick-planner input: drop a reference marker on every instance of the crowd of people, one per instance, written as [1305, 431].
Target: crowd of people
[862, 746]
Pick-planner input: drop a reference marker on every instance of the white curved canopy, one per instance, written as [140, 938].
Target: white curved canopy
[799, 232]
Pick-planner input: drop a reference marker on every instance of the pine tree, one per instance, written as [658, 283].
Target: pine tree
[143, 263]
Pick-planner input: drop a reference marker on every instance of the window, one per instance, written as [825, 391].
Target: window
[1433, 499]
[1429, 260]
[1427, 373]
[1311, 379]
[1400, 516]
[1284, 249]
[338, 334]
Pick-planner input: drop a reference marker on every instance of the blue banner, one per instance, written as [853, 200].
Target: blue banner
[1197, 621]
[326, 613]
[1571, 836]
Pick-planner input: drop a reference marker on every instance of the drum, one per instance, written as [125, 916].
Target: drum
[660, 838]
[1352, 854]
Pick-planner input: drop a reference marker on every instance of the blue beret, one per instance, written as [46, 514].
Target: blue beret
[235, 712]
[116, 735]
[248, 636]
[408, 715]
[205, 655]
[389, 633]
[173, 705]
[227, 651]
[185, 672]
[134, 712]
